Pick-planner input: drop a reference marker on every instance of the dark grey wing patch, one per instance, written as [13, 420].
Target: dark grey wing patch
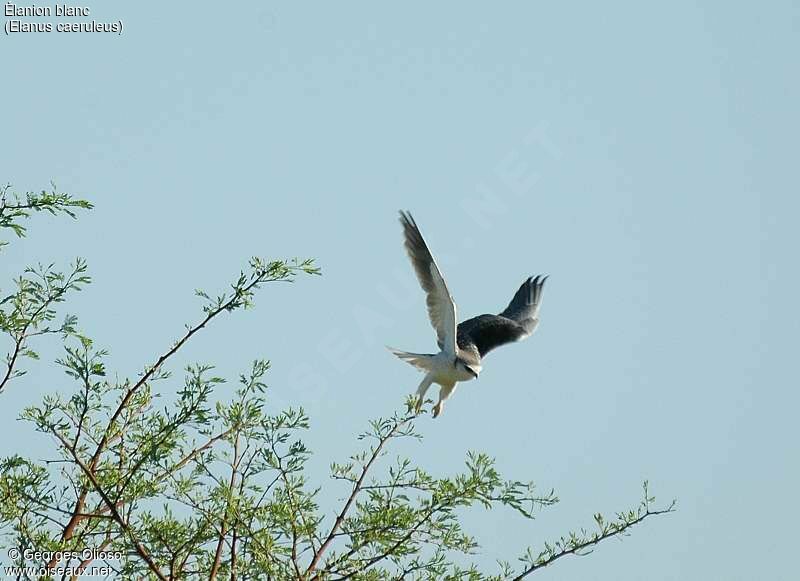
[487, 332]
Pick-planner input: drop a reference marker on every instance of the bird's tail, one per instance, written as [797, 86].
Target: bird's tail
[422, 361]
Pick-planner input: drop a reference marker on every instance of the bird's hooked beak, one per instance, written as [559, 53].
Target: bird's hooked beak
[466, 365]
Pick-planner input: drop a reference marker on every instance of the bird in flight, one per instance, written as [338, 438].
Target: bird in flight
[462, 347]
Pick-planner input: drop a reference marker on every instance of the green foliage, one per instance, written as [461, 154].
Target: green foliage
[210, 481]
[29, 311]
[14, 208]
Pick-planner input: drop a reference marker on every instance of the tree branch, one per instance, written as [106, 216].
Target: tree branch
[263, 274]
[613, 531]
[224, 528]
[140, 549]
[356, 489]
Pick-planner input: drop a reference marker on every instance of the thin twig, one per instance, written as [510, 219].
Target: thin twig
[590, 543]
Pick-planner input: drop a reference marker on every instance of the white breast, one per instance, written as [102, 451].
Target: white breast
[446, 371]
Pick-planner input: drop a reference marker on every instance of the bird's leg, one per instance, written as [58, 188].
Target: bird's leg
[422, 390]
[444, 393]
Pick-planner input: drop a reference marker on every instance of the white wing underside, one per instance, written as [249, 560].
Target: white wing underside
[442, 311]
[441, 307]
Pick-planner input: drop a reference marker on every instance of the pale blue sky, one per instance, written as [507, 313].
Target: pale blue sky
[643, 156]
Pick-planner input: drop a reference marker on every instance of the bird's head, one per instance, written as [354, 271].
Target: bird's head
[470, 367]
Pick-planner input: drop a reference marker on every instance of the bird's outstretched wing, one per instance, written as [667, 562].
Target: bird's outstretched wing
[441, 307]
[518, 321]
[524, 307]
